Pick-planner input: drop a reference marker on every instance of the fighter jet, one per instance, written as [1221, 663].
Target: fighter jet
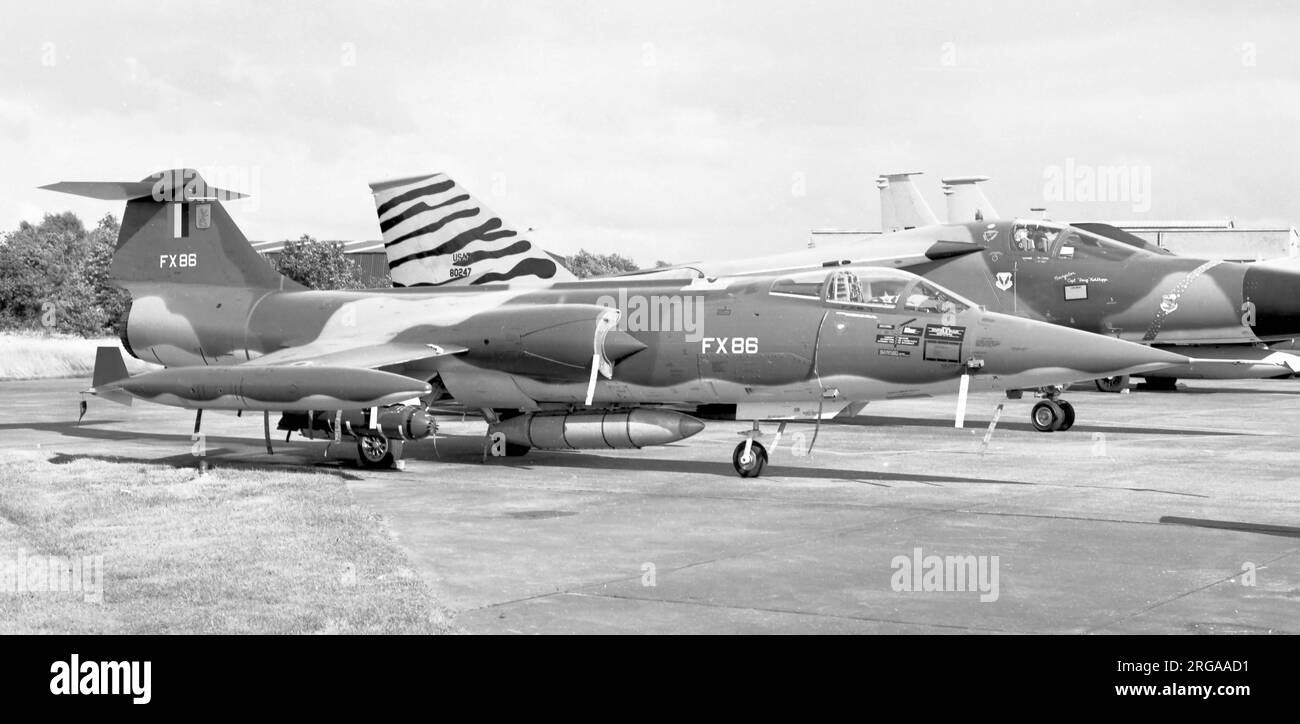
[911, 248]
[592, 364]
[1228, 317]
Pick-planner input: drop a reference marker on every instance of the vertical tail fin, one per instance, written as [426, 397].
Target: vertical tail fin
[966, 201]
[176, 230]
[436, 234]
[901, 205]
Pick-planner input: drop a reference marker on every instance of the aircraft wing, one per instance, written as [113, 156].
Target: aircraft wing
[341, 355]
[897, 251]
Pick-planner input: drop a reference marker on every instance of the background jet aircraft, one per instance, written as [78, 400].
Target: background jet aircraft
[234, 334]
[965, 199]
[435, 234]
[1096, 277]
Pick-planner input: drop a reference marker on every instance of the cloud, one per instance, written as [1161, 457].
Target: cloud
[657, 131]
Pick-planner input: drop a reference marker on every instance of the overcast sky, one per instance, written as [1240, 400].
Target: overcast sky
[661, 130]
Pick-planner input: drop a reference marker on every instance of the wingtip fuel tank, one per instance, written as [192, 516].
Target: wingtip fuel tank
[287, 388]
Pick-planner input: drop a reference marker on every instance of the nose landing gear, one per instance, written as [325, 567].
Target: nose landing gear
[749, 459]
[1052, 415]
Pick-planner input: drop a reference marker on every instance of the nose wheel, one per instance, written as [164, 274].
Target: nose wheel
[749, 463]
[1052, 416]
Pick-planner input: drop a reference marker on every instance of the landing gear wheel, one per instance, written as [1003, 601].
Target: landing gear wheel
[1112, 384]
[1164, 384]
[373, 451]
[1047, 416]
[1067, 421]
[753, 466]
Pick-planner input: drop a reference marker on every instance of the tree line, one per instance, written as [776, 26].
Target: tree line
[54, 276]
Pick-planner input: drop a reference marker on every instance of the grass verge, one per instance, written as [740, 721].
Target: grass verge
[233, 550]
[36, 355]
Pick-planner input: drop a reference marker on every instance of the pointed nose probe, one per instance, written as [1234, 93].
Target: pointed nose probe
[1027, 344]
[1106, 356]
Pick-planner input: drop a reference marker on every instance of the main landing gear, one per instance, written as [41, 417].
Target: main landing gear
[1112, 384]
[374, 451]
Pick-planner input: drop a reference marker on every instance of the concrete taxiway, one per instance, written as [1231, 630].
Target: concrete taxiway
[1160, 512]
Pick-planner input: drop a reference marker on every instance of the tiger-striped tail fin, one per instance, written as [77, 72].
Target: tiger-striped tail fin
[437, 234]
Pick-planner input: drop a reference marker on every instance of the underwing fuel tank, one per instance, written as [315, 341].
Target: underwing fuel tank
[403, 422]
[615, 429]
[287, 388]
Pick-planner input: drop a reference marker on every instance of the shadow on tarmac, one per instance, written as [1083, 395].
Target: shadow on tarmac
[544, 460]
[1286, 531]
[886, 421]
[213, 460]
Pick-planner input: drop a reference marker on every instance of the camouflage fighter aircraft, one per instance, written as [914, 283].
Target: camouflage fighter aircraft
[429, 253]
[1232, 319]
[605, 364]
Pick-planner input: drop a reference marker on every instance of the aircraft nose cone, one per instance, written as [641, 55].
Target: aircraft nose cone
[620, 344]
[1013, 345]
[1107, 356]
[1275, 293]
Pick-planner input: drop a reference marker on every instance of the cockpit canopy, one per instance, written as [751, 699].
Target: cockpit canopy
[1043, 240]
[870, 288]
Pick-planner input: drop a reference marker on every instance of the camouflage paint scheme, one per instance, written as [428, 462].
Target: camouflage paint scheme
[1096, 279]
[202, 296]
[1080, 279]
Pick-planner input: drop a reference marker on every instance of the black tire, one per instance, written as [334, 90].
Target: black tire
[1162, 384]
[1112, 384]
[374, 451]
[1047, 416]
[754, 467]
[1067, 421]
[515, 450]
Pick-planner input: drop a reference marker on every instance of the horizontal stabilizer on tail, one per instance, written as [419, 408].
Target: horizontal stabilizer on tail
[966, 202]
[437, 234]
[178, 186]
[901, 205]
[175, 230]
